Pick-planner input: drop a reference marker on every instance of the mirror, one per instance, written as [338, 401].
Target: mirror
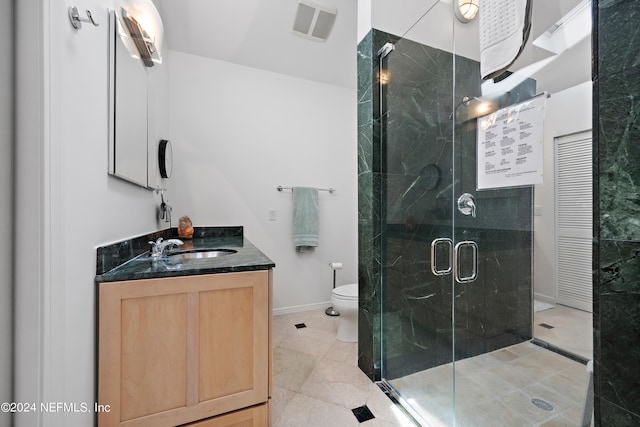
[131, 156]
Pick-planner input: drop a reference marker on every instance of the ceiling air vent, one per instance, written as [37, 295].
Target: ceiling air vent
[314, 20]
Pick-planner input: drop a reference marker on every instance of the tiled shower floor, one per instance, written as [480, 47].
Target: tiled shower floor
[496, 389]
[317, 383]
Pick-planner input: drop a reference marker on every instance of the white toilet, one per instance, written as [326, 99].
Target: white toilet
[344, 300]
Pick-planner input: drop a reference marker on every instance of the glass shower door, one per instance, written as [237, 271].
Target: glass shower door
[492, 259]
[417, 184]
[456, 259]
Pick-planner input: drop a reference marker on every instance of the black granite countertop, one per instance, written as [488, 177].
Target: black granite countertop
[130, 259]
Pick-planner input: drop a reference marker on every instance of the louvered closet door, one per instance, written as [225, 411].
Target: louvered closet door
[574, 220]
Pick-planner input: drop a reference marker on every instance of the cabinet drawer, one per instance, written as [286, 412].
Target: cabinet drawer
[256, 416]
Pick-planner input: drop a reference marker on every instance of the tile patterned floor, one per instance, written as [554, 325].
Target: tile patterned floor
[316, 378]
[572, 329]
[317, 383]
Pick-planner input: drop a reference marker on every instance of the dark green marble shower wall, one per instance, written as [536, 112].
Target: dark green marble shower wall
[368, 274]
[416, 207]
[406, 199]
[369, 222]
[617, 216]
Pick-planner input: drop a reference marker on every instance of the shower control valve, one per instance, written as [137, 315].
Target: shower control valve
[467, 205]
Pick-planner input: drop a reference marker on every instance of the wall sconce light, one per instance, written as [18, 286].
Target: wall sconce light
[144, 30]
[465, 10]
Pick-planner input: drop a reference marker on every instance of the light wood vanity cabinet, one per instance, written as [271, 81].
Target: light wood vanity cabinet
[256, 416]
[176, 350]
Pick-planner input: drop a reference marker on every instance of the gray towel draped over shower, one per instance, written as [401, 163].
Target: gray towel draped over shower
[306, 218]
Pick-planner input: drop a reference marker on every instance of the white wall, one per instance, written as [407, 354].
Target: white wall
[364, 19]
[237, 134]
[6, 202]
[29, 262]
[66, 205]
[392, 16]
[430, 22]
[567, 112]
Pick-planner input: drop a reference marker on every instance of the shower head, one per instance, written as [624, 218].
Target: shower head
[473, 107]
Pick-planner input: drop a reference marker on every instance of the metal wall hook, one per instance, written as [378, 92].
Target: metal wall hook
[76, 20]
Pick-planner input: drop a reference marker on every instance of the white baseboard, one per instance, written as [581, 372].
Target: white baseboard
[301, 308]
[544, 298]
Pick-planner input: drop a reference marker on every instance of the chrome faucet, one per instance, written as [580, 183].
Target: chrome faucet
[158, 247]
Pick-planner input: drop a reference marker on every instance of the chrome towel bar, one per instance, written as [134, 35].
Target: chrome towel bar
[330, 190]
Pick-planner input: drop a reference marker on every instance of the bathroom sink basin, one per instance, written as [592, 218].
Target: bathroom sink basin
[202, 253]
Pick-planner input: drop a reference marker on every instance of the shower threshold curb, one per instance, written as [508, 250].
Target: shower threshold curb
[560, 351]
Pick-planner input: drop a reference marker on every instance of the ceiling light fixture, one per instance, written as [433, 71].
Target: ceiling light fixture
[143, 28]
[465, 10]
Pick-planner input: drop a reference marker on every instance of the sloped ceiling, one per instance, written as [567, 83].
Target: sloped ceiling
[258, 33]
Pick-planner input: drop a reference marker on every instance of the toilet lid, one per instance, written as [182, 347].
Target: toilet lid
[347, 291]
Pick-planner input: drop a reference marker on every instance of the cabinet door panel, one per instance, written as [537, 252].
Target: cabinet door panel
[154, 350]
[233, 341]
[226, 344]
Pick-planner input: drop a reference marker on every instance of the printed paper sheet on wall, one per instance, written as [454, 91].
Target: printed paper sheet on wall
[510, 145]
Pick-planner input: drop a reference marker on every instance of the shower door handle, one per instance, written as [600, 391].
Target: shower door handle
[434, 265]
[456, 261]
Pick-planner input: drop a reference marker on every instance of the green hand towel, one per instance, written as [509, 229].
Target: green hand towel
[306, 218]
